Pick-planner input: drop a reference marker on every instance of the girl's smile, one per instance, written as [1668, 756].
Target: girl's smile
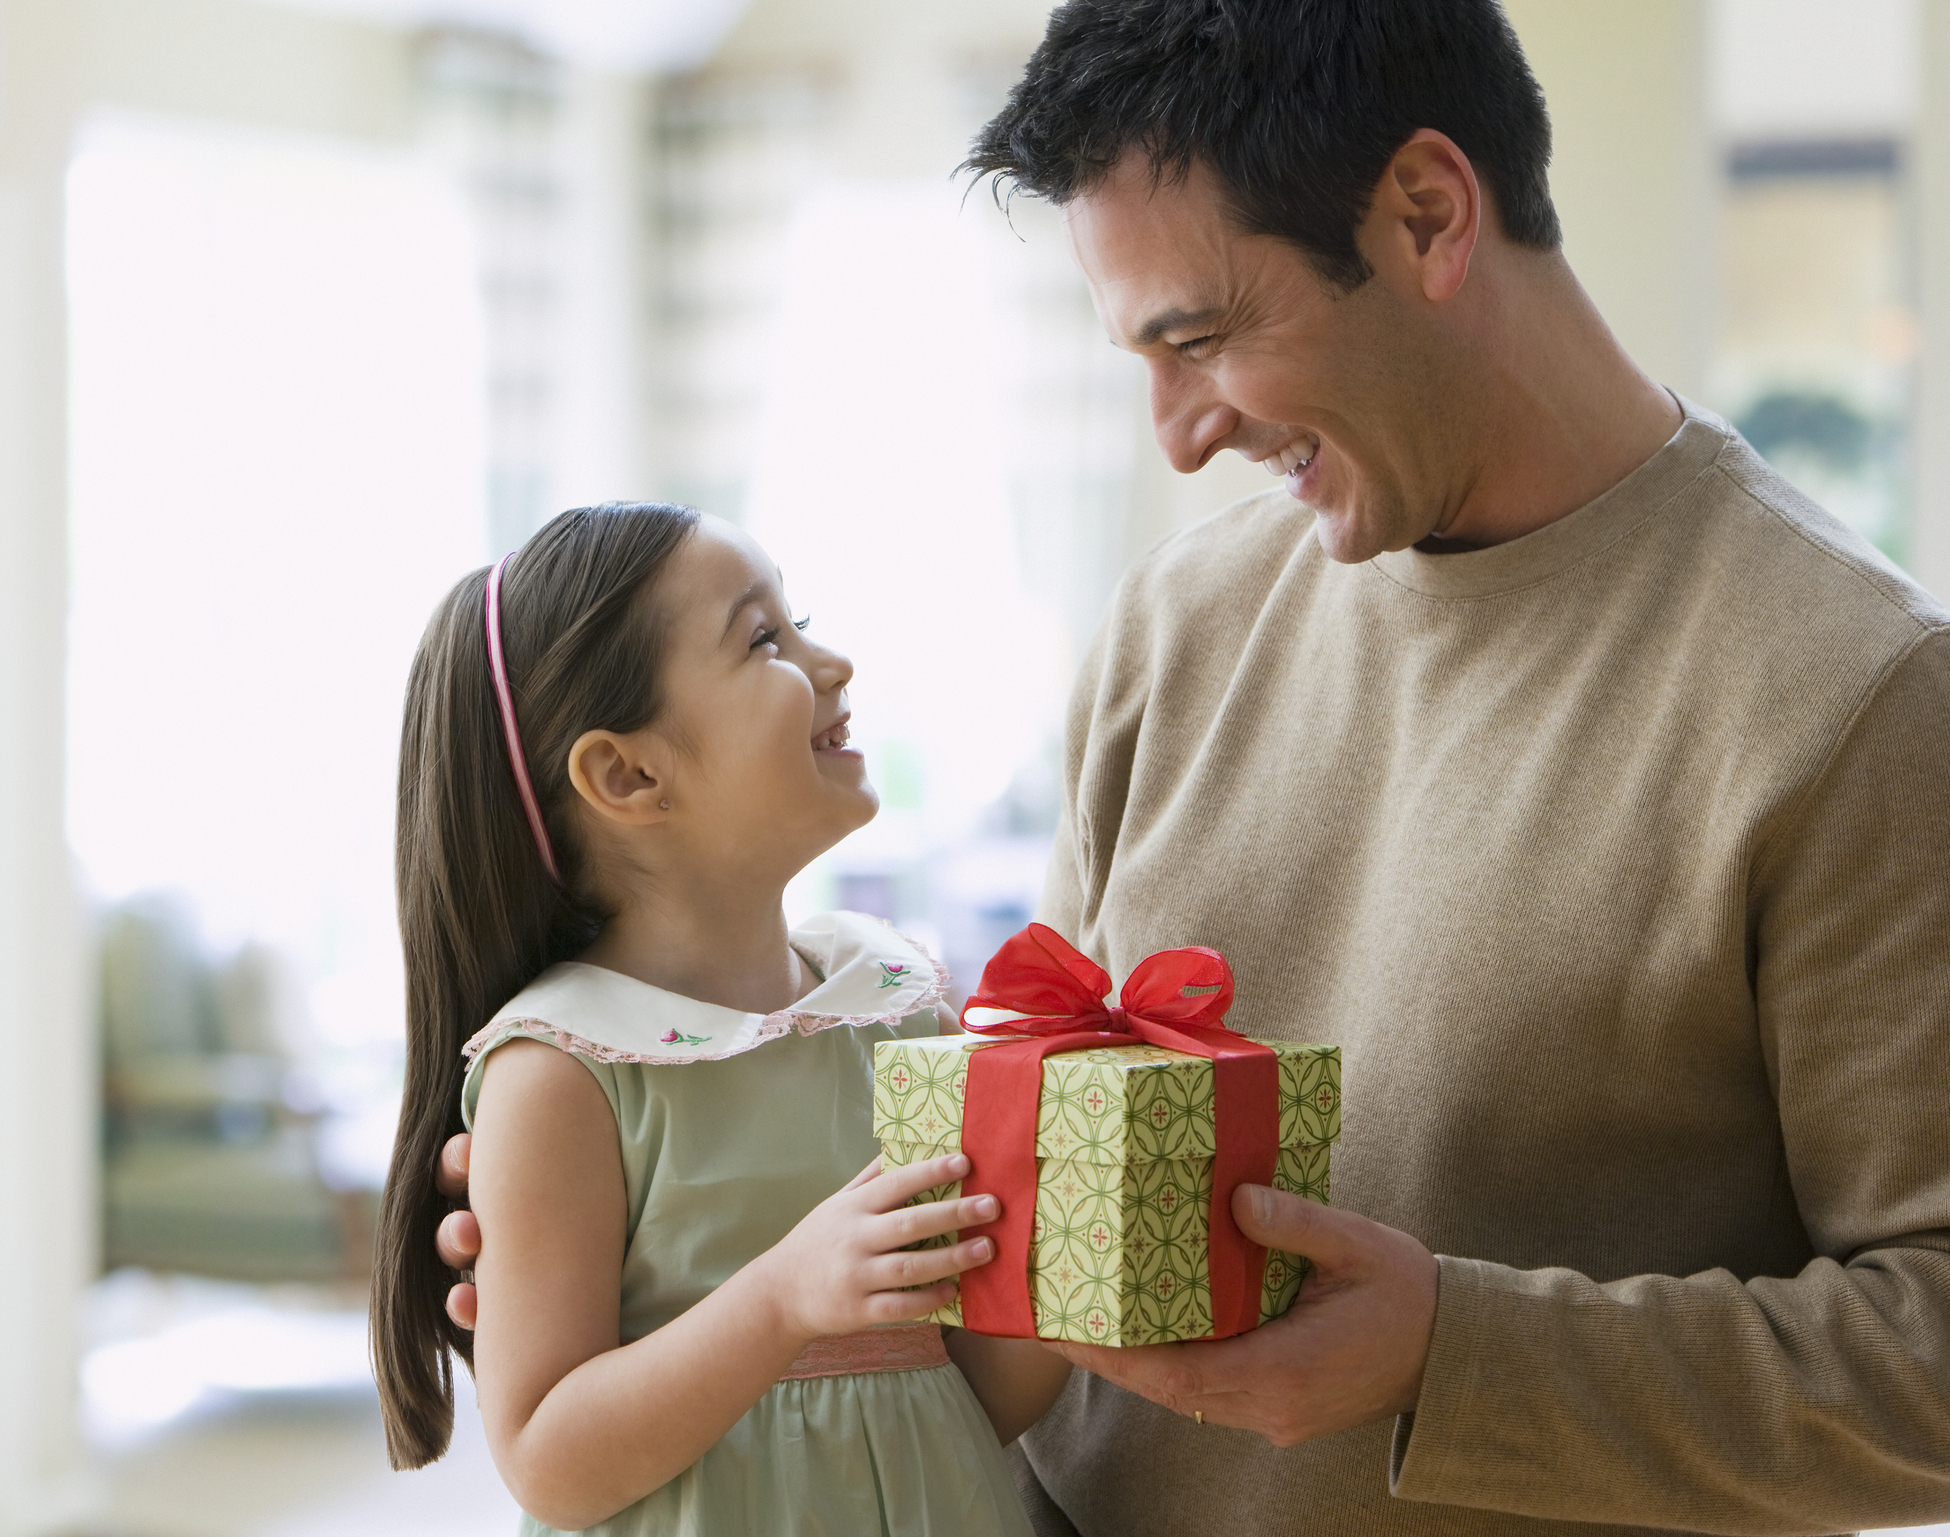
[832, 741]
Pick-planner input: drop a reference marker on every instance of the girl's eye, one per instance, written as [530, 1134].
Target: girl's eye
[766, 638]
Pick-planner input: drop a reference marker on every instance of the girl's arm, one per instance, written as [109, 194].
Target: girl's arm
[582, 1426]
[1015, 1381]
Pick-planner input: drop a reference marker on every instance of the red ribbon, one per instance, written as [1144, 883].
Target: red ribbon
[1040, 974]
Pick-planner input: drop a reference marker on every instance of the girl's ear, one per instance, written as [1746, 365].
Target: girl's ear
[623, 778]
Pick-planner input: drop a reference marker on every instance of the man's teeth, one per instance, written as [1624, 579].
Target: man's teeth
[1293, 457]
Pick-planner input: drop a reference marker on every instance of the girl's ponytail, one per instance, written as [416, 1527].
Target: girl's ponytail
[480, 914]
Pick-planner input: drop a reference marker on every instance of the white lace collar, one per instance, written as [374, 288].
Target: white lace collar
[873, 975]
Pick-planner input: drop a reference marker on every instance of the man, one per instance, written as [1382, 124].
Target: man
[1542, 748]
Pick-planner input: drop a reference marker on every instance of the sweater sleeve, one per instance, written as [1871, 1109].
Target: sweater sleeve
[1816, 1402]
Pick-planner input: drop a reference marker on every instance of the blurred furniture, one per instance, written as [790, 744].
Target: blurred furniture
[209, 1163]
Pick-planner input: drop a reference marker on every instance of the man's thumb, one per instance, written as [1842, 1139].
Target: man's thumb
[1280, 1219]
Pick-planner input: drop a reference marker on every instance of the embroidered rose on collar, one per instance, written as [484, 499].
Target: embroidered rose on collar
[678, 1038]
[892, 975]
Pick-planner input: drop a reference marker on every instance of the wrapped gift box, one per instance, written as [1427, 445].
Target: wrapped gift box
[1124, 1147]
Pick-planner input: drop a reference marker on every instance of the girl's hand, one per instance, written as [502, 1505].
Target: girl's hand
[844, 1267]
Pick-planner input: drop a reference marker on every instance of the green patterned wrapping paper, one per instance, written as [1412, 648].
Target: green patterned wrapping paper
[1124, 1176]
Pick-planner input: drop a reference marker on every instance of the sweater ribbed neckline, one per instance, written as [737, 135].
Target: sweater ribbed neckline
[1556, 547]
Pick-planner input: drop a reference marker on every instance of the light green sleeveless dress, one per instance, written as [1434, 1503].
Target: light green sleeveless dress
[732, 1127]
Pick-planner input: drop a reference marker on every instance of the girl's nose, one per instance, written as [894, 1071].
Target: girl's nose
[829, 670]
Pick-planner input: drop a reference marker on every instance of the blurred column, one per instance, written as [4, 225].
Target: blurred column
[1632, 172]
[492, 109]
[1931, 545]
[605, 296]
[48, 1200]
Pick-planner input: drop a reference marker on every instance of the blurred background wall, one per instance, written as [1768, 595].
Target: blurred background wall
[308, 309]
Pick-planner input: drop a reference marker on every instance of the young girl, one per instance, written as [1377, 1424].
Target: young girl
[696, 1310]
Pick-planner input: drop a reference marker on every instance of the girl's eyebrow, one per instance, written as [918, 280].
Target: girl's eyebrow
[738, 605]
[750, 595]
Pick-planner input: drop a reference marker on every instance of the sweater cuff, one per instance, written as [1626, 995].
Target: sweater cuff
[1420, 1454]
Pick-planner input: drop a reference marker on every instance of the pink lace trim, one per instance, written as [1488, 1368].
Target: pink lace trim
[770, 1028]
[910, 1348]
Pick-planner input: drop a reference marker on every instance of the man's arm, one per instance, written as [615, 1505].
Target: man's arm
[1817, 1402]
[1813, 1402]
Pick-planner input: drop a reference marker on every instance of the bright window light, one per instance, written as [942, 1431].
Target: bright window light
[277, 407]
[881, 488]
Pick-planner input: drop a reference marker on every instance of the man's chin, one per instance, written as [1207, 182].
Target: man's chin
[1345, 538]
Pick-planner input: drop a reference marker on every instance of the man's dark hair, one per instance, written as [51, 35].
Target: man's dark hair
[1296, 105]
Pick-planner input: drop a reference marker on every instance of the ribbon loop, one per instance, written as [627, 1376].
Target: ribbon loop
[1050, 983]
[1157, 990]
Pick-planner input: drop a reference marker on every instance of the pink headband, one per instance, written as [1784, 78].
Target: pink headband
[498, 666]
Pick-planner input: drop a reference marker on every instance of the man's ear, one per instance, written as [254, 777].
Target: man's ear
[1427, 214]
[624, 778]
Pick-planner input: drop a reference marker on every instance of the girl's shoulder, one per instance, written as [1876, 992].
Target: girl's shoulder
[871, 975]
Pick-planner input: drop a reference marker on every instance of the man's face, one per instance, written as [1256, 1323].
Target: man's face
[1250, 349]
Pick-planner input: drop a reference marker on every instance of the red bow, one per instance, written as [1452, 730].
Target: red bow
[1177, 999]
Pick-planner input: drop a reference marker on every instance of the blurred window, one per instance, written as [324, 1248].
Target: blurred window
[276, 376]
[1818, 330]
[1813, 360]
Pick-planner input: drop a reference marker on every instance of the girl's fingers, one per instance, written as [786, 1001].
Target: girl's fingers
[896, 1187]
[897, 1307]
[910, 1225]
[923, 1267]
[863, 1176]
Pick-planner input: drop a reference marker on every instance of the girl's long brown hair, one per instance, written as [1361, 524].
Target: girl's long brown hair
[479, 916]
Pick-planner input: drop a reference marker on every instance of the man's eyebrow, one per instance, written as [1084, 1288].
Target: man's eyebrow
[738, 604]
[1172, 320]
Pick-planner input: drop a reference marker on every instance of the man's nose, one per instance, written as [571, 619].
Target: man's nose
[1191, 422]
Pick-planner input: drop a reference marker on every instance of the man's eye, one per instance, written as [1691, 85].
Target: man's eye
[1197, 345]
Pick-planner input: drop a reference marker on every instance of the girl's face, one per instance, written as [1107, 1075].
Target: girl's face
[760, 777]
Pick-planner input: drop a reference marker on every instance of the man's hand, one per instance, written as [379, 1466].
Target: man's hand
[1350, 1351]
[458, 1238]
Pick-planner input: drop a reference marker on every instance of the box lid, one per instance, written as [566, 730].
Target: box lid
[1110, 1104]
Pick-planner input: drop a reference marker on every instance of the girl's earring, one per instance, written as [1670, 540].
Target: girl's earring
[664, 804]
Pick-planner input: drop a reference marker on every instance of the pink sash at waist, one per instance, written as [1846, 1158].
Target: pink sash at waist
[906, 1348]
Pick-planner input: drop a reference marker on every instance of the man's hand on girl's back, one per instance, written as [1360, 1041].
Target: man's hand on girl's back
[458, 1238]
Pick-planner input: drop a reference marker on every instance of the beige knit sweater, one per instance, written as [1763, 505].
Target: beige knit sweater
[1616, 859]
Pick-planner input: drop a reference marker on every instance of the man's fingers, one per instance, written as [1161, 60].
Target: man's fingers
[462, 1303]
[1196, 1368]
[458, 1240]
[450, 1174]
[1172, 1375]
[1280, 1219]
